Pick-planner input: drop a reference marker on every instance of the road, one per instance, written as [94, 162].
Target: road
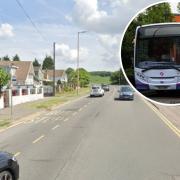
[167, 97]
[96, 139]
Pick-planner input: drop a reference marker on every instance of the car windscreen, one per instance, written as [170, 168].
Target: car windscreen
[95, 87]
[126, 89]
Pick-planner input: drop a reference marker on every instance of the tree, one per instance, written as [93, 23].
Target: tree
[4, 78]
[117, 78]
[84, 77]
[36, 62]
[48, 63]
[178, 7]
[16, 58]
[6, 58]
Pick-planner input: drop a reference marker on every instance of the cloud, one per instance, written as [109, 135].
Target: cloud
[6, 30]
[65, 53]
[106, 16]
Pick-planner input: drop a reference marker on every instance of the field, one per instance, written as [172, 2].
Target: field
[95, 79]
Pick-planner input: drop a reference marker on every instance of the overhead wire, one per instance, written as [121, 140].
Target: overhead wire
[30, 19]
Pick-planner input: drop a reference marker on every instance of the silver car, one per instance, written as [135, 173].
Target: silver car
[96, 91]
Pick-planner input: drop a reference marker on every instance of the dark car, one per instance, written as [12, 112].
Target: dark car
[105, 87]
[126, 92]
[9, 168]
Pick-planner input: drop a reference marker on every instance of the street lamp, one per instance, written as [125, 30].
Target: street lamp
[80, 32]
[12, 74]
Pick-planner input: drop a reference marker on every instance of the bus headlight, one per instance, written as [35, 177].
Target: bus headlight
[142, 77]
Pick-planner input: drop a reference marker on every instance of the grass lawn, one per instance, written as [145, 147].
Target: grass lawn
[95, 79]
[58, 99]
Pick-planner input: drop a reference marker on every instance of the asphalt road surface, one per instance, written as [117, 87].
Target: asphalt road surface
[96, 139]
[167, 97]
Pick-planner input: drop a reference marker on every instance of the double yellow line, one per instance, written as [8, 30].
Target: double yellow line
[164, 119]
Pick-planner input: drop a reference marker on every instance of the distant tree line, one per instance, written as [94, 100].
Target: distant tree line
[101, 73]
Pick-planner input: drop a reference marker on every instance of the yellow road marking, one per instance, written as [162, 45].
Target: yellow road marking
[164, 119]
[17, 154]
[38, 139]
[55, 127]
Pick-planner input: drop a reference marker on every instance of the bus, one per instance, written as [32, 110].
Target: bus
[157, 57]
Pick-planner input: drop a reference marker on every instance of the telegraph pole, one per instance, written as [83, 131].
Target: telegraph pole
[54, 68]
[78, 63]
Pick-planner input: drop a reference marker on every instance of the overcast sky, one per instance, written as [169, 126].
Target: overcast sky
[59, 21]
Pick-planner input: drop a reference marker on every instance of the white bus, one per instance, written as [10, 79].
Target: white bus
[157, 57]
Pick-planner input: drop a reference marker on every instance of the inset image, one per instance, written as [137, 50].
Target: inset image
[150, 53]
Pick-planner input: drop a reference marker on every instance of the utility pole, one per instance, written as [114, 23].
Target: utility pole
[54, 68]
[78, 60]
[78, 64]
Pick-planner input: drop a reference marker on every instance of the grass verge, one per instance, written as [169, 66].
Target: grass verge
[60, 98]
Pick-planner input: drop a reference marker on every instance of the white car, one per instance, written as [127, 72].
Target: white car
[96, 91]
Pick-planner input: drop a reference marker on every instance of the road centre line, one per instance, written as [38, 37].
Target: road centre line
[55, 127]
[38, 139]
[66, 119]
[74, 113]
[80, 109]
[164, 119]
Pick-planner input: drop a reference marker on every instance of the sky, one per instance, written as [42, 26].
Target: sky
[59, 21]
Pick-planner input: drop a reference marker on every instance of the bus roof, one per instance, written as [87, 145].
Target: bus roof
[160, 24]
[159, 30]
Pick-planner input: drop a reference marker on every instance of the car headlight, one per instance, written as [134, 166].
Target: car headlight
[14, 159]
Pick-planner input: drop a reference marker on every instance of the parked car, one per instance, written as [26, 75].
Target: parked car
[96, 91]
[126, 92]
[9, 167]
[105, 87]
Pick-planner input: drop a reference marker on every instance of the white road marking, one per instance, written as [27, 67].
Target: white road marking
[66, 119]
[38, 139]
[74, 113]
[55, 127]
[17, 154]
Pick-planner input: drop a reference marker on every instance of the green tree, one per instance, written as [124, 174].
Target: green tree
[84, 77]
[16, 58]
[4, 78]
[36, 62]
[70, 75]
[6, 58]
[117, 78]
[178, 7]
[48, 63]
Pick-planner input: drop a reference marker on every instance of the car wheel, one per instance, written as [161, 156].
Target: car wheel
[6, 175]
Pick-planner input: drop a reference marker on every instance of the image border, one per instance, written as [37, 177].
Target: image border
[120, 58]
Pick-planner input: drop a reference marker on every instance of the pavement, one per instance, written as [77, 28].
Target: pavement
[93, 139]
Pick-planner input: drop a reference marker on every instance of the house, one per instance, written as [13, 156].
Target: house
[60, 75]
[24, 75]
[39, 75]
[26, 86]
[176, 17]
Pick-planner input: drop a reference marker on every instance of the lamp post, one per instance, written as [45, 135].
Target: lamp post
[80, 32]
[54, 68]
[12, 74]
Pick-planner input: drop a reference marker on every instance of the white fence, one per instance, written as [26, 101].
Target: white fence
[20, 96]
[1, 102]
